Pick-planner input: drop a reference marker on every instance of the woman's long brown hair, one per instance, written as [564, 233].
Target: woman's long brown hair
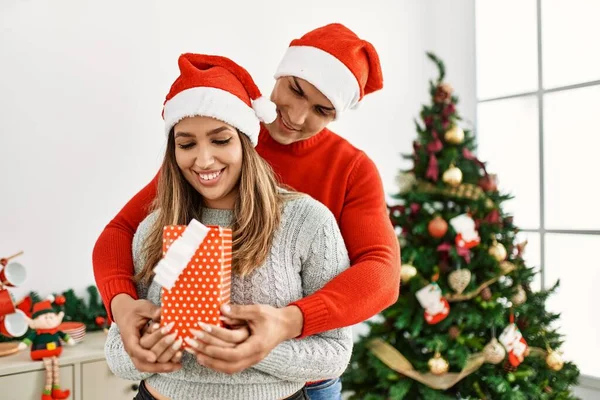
[256, 214]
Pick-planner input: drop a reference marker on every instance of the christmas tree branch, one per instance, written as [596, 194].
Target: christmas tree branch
[440, 65]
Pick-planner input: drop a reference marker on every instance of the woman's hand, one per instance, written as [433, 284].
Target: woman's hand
[211, 335]
[269, 326]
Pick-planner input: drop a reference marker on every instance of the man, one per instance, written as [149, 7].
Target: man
[322, 75]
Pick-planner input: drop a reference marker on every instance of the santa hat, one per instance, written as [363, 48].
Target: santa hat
[337, 62]
[213, 86]
[43, 307]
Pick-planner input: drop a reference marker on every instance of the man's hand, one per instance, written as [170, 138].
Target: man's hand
[162, 342]
[131, 316]
[269, 326]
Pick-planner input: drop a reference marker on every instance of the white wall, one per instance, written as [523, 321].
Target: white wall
[82, 85]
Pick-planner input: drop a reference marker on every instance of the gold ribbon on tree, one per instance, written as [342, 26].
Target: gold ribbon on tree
[391, 357]
[507, 267]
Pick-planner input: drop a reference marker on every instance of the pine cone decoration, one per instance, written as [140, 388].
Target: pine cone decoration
[486, 294]
[453, 332]
[508, 367]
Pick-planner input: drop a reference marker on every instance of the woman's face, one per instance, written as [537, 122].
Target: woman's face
[302, 110]
[209, 154]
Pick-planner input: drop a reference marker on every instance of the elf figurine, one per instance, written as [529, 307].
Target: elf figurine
[44, 339]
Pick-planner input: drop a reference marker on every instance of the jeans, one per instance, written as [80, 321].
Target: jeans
[143, 393]
[326, 390]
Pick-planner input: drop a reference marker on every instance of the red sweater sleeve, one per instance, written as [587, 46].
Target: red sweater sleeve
[372, 283]
[112, 256]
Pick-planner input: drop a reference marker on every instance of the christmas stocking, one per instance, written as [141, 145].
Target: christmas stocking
[467, 236]
[436, 307]
[516, 346]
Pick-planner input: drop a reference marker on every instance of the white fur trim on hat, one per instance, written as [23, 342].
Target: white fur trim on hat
[212, 102]
[323, 71]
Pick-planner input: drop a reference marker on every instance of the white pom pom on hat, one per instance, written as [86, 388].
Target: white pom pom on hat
[217, 87]
[265, 109]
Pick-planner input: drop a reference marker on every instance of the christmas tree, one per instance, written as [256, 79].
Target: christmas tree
[467, 324]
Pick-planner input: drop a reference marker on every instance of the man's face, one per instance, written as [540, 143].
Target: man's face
[302, 110]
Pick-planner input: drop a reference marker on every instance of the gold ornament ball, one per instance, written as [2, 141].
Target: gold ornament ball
[520, 297]
[407, 272]
[453, 176]
[498, 251]
[506, 266]
[455, 135]
[405, 181]
[494, 352]
[554, 360]
[438, 365]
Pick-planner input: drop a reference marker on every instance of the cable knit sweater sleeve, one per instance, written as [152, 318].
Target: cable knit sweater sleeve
[119, 362]
[117, 358]
[325, 355]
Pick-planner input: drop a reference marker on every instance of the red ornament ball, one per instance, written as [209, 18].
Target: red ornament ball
[437, 227]
[489, 183]
[100, 320]
[60, 300]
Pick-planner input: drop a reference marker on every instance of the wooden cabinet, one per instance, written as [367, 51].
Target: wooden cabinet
[98, 383]
[29, 385]
[83, 371]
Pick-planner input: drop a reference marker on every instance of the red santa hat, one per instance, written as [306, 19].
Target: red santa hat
[214, 86]
[43, 307]
[337, 62]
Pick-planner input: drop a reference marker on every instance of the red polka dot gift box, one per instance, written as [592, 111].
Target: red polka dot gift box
[195, 275]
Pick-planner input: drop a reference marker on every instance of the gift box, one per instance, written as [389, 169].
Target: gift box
[195, 273]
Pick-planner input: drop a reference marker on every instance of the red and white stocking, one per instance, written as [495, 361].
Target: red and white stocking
[436, 307]
[515, 344]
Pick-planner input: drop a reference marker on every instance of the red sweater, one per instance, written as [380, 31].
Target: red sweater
[331, 170]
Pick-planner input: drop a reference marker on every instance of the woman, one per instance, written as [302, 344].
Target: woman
[286, 246]
[309, 94]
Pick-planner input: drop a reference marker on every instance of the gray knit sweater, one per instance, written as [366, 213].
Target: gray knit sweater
[308, 251]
